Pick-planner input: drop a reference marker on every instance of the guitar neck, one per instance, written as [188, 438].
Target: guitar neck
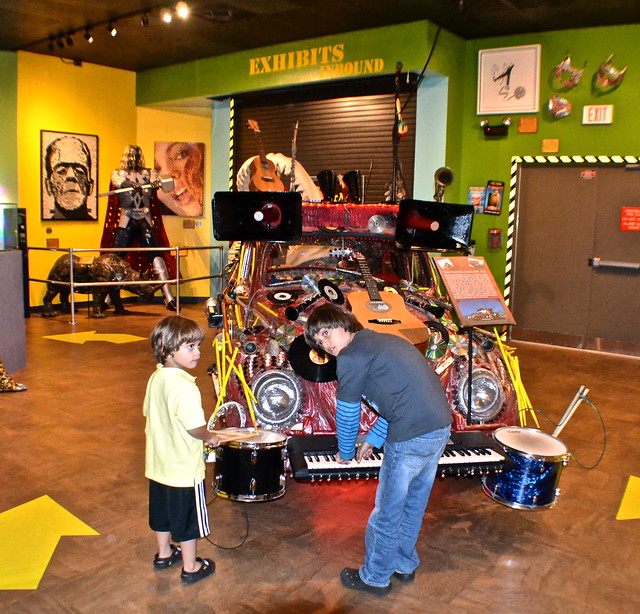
[294, 150]
[261, 153]
[370, 282]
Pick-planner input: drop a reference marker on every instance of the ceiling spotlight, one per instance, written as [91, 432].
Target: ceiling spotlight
[182, 10]
[69, 40]
[144, 19]
[50, 44]
[88, 36]
[111, 28]
[59, 42]
[165, 15]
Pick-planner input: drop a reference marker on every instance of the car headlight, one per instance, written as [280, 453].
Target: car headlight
[279, 397]
[487, 396]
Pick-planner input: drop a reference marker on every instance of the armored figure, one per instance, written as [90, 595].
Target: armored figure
[138, 220]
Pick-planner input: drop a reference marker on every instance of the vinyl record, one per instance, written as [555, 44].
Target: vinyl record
[308, 364]
[283, 297]
[330, 291]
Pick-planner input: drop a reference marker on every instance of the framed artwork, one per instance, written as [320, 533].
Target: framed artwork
[68, 176]
[185, 163]
[509, 80]
[493, 197]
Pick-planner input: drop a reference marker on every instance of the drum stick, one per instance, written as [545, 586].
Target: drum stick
[577, 399]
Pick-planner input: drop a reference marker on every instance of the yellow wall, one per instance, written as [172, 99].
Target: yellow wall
[91, 99]
[154, 126]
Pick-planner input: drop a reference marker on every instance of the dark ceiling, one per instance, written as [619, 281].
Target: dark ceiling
[216, 28]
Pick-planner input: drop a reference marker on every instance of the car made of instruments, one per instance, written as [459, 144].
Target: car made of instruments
[265, 374]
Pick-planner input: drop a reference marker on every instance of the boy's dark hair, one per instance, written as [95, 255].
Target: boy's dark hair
[170, 333]
[328, 316]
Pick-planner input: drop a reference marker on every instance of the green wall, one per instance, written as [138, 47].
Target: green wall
[474, 158]
[489, 158]
[9, 127]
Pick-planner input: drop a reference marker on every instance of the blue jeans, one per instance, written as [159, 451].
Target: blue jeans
[406, 477]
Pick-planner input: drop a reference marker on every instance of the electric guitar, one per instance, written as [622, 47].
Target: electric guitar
[264, 176]
[384, 312]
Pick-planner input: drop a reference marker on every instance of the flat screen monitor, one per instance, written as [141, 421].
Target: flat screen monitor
[433, 226]
[257, 216]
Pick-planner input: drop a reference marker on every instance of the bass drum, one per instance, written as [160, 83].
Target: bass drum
[251, 468]
[532, 483]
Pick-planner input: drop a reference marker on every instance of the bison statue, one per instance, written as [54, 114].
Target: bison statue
[105, 268]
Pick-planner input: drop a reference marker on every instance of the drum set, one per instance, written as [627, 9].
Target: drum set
[249, 464]
[533, 482]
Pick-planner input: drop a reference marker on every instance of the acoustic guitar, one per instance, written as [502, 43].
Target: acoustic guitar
[384, 312]
[264, 176]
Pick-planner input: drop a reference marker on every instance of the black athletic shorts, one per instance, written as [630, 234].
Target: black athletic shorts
[179, 511]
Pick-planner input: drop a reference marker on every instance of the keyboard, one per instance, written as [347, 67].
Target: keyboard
[467, 454]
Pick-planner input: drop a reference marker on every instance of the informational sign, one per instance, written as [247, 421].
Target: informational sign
[473, 291]
[630, 218]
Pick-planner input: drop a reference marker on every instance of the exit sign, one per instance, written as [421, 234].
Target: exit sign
[597, 114]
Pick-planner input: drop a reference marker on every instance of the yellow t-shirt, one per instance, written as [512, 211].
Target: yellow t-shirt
[173, 406]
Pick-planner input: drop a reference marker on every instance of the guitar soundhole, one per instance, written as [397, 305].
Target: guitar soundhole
[378, 306]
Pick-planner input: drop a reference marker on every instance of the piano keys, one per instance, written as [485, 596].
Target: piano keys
[467, 454]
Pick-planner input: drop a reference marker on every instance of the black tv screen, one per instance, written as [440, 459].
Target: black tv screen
[257, 216]
[435, 226]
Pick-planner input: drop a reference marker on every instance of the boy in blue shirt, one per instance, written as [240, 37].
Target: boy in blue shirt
[414, 424]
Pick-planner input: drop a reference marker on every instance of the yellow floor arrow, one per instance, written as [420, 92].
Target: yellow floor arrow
[29, 535]
[92, 335]
[630, 505]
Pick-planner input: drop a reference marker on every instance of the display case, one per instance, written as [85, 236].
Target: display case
[8, 227]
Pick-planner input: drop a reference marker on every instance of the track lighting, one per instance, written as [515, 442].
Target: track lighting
[88, 36]
[50, 44]
[60, 42]
[165, 15]
[182, 10]
[111, 28]
[144, 19]
[69, 40]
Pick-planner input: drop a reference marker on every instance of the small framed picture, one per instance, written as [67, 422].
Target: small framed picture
[68, 176]
[509, 80]
[493, 198]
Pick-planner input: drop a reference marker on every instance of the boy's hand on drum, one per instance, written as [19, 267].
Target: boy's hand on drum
[213, 441]
[209, 437]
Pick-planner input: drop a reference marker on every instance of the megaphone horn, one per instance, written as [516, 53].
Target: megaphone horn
[443, 176]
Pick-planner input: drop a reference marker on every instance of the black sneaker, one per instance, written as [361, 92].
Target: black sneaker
[405, 577]
[174, 557]
[351, 579]
[206, 569]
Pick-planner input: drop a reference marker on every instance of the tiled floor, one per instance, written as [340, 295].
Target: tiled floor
[77, 436]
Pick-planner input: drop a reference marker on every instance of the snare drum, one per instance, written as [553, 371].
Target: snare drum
[539, 459]
[252, 468]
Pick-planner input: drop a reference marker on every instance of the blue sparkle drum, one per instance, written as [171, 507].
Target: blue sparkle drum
[533, 482]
